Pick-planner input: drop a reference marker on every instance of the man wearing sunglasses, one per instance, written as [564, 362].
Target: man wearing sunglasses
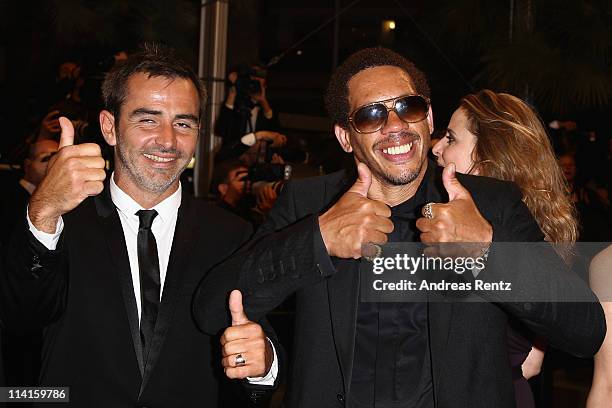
[406, 354]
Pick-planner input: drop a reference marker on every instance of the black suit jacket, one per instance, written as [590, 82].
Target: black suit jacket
[13, 205]
[82, 294]
[468, 344]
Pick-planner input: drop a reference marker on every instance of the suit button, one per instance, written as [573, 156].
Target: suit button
[320, 270]
[256, 396]
[340, 398]
[35, 263]
[527, 306]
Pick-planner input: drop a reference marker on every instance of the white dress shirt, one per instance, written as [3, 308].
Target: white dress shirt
[163, 228]
[249, 139]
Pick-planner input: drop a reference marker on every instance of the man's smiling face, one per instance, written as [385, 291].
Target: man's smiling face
[397, 152]
[157, 132]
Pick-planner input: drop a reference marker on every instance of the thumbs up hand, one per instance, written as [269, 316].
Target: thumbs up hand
[355, 220]
[452, 186]
[74, 173]
[456, 221]
[246, 350]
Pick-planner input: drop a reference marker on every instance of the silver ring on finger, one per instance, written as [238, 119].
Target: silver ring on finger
[371, 251]
[427, 211]
[239, 360]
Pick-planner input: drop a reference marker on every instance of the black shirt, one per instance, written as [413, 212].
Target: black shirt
[391, 365]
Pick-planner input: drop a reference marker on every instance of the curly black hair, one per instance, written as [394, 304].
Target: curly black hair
[336, 97]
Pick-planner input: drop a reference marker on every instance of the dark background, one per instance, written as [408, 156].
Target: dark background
[553, 53]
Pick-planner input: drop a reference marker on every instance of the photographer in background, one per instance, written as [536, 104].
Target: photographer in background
[230, 187]
[245, 191]
[246, 118]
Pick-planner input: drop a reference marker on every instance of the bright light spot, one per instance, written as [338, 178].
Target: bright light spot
[388, 25]
[299, 52]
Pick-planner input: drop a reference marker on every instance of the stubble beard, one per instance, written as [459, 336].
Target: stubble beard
[406, 176]
[128, 159]
[402, 179]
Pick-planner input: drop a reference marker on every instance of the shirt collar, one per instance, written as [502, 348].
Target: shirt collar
[128, 206]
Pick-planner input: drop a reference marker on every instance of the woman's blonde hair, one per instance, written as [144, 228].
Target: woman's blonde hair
[511, 144]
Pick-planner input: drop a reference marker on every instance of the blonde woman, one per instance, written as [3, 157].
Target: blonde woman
[498, 135]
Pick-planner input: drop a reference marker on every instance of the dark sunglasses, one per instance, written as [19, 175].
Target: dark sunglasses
[373, 116]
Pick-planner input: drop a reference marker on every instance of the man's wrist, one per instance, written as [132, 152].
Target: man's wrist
[488, 234]
[44, 221]
[267, 109]
[321, 223]
[48, 240]
[270, 376]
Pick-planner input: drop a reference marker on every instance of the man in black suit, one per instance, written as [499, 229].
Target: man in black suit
[109, 269]
[16, 198]
[246, 119]
[412, 354]
[22, 352]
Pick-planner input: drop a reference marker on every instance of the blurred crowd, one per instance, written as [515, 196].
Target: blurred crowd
[585, 156]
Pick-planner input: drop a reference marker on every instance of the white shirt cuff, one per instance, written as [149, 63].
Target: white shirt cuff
[48, 240]
[269, 378]
[249, 139]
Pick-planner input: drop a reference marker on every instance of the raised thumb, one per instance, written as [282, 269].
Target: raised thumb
[364, 180]
[236, 309]
[67, 136]
[453, 187]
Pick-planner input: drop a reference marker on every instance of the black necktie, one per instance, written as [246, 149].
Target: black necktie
[148, 265]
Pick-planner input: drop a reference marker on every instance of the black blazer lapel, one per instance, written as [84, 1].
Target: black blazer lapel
[114, 237]
[439, 314]
[183, 248]
[343, 294]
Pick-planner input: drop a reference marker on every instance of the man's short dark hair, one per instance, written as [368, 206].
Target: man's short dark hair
[221, 173]
[156, 61]
[336, 97]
